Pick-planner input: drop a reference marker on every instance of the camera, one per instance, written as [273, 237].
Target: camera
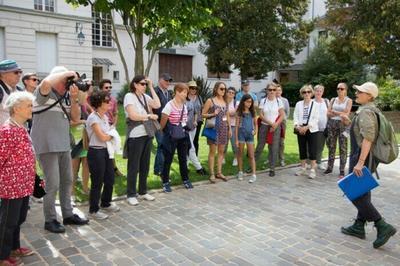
[80, 83]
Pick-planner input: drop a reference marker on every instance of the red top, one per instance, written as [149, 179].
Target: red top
[112, 109]
[17, 163]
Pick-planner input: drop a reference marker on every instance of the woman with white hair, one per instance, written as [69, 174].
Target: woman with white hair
[17, 176]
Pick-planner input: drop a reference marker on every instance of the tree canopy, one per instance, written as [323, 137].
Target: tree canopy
[164, 22]
[255, 36]
[368, 31]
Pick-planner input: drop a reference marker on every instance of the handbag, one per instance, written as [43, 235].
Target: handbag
[210, 122]
[38, 189]
[177, 132]
[210, 133]
[150, 126]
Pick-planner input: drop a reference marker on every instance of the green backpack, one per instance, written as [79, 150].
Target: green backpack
[385, 149]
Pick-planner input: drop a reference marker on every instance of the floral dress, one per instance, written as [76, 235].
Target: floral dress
[221, 125]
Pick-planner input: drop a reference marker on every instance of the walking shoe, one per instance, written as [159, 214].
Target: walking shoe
[271, 173]
[357, 229]
[147, 197]
[133, 201]
[166, 187]
[240, 176]
[283, 163]
[312, 174]
[112, 208]
[385, 231]
[201, 171]
[235, 162]
[99, 215]
[75, 220]
[302, 171]
[187, 184]
[328, 171]
[54, 227]
[253, 179]
[321, 166]
[21, 252]
[222, 177]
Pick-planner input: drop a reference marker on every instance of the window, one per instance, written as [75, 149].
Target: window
[178, 66]
[101, 29]
[224, 75]
[44, 5]
[116, 76]
[46, 52]
[2, 49]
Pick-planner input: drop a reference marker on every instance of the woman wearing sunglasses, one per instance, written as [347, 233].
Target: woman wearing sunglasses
[305, 120]
[338, 106]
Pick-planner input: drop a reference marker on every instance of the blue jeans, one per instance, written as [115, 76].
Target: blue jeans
[159, 160]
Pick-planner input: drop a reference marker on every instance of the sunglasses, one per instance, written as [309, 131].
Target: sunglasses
[305, 92]
[193, 88]
[34, 79]
[18, 72]
[222, 89]
[107, 87]
[341, 89]
[143, 84]
[271, 89]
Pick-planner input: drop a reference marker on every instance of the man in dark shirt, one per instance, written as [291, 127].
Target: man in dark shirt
[165, 96]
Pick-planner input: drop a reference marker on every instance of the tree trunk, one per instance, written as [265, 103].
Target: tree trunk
[139, 64]
[121, 54]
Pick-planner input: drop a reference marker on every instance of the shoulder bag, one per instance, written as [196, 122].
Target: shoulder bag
[177, 132]
[150, 126]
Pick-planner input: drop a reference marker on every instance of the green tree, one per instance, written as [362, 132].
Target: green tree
[322, 67]
[155, 24]
[255, 36]
[368, 31]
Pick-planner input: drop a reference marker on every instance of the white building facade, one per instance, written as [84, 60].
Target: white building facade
[40, 34]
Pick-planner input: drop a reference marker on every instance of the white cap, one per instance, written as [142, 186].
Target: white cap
[368, 87]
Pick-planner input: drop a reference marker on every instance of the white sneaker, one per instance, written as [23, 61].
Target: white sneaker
[312, 174]
[133, 201]
[99, 215]
[235, 162]
[240, 176]
[147, 197]
[302, 171]
[112, 208]
[321, 167]
[253, 179]
[283, 163]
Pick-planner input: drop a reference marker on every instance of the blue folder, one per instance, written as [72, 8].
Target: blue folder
[355, 186]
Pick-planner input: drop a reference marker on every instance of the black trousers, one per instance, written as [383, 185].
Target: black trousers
[101, 170]
[366, 210]
[307, 146]
[139, 150]
[12, 214]
[196, 137]
[182, 146]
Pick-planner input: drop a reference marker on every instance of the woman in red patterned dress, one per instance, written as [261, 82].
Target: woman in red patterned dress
[17, 177]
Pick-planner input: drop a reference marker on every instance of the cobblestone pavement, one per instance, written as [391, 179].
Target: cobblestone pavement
[284, 220]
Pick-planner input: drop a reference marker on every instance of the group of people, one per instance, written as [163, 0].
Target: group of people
[175, 121]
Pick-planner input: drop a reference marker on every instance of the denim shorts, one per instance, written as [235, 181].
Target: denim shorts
[244, 136]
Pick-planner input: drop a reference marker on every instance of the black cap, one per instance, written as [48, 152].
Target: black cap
[166, 77]
[245, 82]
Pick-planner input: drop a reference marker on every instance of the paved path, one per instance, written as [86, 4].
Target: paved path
[285, 220]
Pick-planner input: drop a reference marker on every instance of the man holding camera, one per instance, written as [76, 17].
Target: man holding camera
[51, 140]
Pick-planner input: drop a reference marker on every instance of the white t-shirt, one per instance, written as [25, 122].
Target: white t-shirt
[270, 109]
[131, 99]
[174, 114]
[94, 118]
[323, 110]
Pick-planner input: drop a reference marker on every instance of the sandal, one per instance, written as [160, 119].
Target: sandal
[222, 177]
[212, 179]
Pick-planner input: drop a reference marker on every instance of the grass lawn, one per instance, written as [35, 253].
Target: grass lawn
[291, 157]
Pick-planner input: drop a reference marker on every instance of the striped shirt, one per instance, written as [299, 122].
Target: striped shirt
[305, 114]
[174, 113]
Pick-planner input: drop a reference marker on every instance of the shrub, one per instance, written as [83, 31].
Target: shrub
[389, 95]
[290, 91]
[203, 87]
[121, 94]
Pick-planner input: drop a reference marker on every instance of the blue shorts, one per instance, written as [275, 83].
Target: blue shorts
[244, 136]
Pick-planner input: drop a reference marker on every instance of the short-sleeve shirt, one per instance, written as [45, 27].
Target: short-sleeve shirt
[112, 109]
[50, 129]
[240, 94]
[132, 99]
[92, 119]
[232, 107]
[270, 109]
[174, 113]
